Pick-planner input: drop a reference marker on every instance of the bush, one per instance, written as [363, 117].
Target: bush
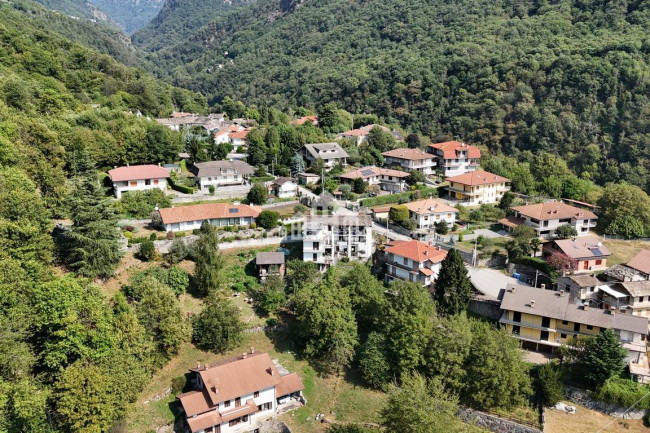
[211, 189]
[153, 237]
[442, 227]
[128, 235]
[140, 204]
[257, 194]
[537, 263]
[177, 385]
[253, 225]
[178, 280]
[403, 197]
[550, 385]
[268, 219]
[183, 188]
[177, 252]
[147, 251]
[623, 392]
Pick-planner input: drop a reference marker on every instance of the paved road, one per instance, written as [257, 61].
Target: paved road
[489, 281]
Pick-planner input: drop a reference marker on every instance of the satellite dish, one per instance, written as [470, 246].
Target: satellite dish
[600, 244]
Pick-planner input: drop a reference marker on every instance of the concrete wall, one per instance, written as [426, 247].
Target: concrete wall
[486, 307]
[493, 423]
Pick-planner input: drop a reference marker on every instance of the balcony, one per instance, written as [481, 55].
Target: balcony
[504, 319]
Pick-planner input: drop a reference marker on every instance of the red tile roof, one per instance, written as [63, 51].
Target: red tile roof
[584, 247]
[450, 148]
[418, 251]
[429, 206]
[138, 172]
[204, 421]
[240, 134]
[289, 384]
[553, 210]
[410, 154]
[200, 212]
[371, 171]
[302, 120]
[478, 177]
[641, 262]
[195, 402]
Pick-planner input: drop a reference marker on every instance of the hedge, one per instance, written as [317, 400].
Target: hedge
[402, 197]
[539, 264]
[180, 187]
[623, 393]
[261, 179]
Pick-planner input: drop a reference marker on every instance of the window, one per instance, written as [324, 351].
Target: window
[576, 327]
[134, 183]
[516, 317]
[546, 322]
[256, 394]
[155, 181]
[543, 336]
[565, 322]
[226, 403]
[147, 181]
[562, 335]
[599, 262]
[265, 406]
[589, 327]
[406, 261]
[237, 401]
[641, 299]
[516, 330]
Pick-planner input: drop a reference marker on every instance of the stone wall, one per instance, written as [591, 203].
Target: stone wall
[486, 307]
[493, 423]
[581, 397]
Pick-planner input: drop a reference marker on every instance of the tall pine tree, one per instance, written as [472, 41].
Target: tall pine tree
[209, 262]
[453, 288]
[92, 246]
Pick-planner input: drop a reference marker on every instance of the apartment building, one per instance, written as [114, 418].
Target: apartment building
[330, 238]
[429, 211]
[387, 179]
[221, 173]
[413, 261]
[138, 178]
[587, 252]
[410, 159]
[237, 395]
[477, 187]
[182, 218]
[545, 218]
[330, 153]
[455, 158]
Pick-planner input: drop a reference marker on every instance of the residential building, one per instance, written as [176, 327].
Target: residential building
[380, 213]
[239, 138]
[410, 159]
[138, 178]
[176, 219]
[587, 253]
[235, 396]
[360, 135]
[546, 217]
[330, 153]
[413, 261]
[269, 264]
[329, 238]
[631, 297]
[305, 119]
[284, 187]
[544, 320]
[177, 121]
[307, 178]
[478, 187]
[641, 263]
[221, 173]
[582, 287]
[430, 211]
[455, 157]
[387, 179]
[221, 136]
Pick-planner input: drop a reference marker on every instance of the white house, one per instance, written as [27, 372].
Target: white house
[138, 178]
[178, 120]
[284, 187]
[238, 138]
[235, 396]
[330, 153]
[455, 157]
[478, 187]
[413, 261]
[221, 136]
[427, 212]
[329, 238]
[545, 218]
[410, 159]
[221, 173]
[176, 219]
[387, 179]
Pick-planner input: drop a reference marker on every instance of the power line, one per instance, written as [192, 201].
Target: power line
[626, 411]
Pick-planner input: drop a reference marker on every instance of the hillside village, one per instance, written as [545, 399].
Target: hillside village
[535, 267]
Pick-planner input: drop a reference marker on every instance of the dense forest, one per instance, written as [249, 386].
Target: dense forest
[130, 15]
[568, 77]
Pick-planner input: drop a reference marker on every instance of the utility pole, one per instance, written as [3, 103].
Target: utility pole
[536, 274]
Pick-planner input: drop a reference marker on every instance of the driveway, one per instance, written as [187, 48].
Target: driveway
[389, 233]
[489, 281]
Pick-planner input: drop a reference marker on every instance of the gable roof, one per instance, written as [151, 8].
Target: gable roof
[410, 154]
[636, 288]
[553, 210]
[371, 171]
[325, 150]
[195, 402]
[417, 251]
[450, 149]
[585, 247]
[429, 206]
[215, 168]
[200, 212]
[584, 280]
[559, 306]
[240, 134]
[301, 120]
[288, 385]
[282, 180]
[275, 258]
[137, 172]
[641, 262]
[478, 177]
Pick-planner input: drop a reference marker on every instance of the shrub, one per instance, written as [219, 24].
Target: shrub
[153, 237]
[177, 385]
[623, 392]
[170, 235]
[140, 204]
[253, 225]
[442, 227]
[128, 235]
[460, 237]
[147, 251]
[178, 280]
[211, 189]
[550, 385]
[268, 219]
[177, 252]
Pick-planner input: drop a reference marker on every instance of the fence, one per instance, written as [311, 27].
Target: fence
[623, 238]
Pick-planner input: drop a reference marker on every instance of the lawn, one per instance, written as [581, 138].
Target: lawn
[586, 420]
[623, 251]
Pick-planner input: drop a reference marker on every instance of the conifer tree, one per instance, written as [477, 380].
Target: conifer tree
[208, 260]
[453, 288]
[92, 245]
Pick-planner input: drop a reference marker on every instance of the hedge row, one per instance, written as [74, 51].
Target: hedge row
[255, 179]
[539, 264]
[402, 197]
[623, 393]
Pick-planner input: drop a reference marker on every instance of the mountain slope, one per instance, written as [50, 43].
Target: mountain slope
[514, 75]
[77, 8]
[180, 18]
[130, 15]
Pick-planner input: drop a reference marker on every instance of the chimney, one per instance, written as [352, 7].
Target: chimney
[512, 289]
[585, 307]
[532, 303]
[612, 310]
[252, 350]
[272, 371]
[542, 286]
[243, 355]
[198, 365]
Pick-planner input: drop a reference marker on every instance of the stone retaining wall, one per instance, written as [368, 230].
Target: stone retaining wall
[581, 397]
[486, 307]
[493, 423]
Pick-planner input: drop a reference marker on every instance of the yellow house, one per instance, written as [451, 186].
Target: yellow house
[477, 187]
[544, 320]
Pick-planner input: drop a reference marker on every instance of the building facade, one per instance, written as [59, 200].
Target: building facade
[138, 178]
[284, 187]
[183, 218]
[426, 213]
[221, 173]
[477, 187]
[387, 179]
[587, 253]
[545, 218]
[455, 158]
[410, 159]
[331, 154]
[268, 264]
[413, 261]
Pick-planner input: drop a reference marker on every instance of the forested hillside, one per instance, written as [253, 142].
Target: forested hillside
[130, 15]
[77, 8]
[569, 77]
[180, 18]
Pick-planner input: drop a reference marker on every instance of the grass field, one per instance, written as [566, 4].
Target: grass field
[586, 420]
[623, 251]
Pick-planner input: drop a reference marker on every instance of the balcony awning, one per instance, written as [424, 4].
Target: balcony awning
[608, 289]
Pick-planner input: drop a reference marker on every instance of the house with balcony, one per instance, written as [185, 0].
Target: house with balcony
[544, 320]
[632, 297]
[269, 264]
[413, 261]
[331, 154]
[477, 187]
[410, 159]
[236, 395]
[360, 135]
[587, 253]
[221, 173]
[455, 158]
[545, 218]
[387, 179]
[138, 178]
[283, 187]
[183, 218]
[430, 211]
[329, 238]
